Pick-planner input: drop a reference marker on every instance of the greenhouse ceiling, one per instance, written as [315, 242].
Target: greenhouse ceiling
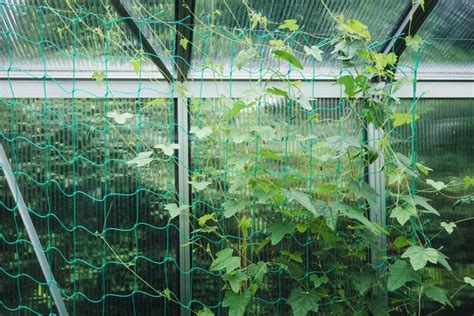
[56, 38]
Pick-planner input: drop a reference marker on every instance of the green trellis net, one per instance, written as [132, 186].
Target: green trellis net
[99, 191]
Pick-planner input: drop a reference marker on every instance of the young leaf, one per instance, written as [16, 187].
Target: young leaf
[278, 92]
[184, 43]
[232, 207]
[206, 217]
[414, 42]
[400, 119]
[136, 65]
[314, 51]
[399, 274]
[201, 133]
[302, 302]
[279, 230]
[355, 27]
[120, 118]
[424, 169]
[142, 159]
[98, 76]
[420, 256]
[289, 57]
[168, 150]
[290, 24]
[468, 182]
[237, 303]
[438, 185]
[469, 281]
[225, 260]
[437, 294]
[176, 210]
[449, 227]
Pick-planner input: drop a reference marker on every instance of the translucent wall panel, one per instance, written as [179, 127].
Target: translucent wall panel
[449, 36]
[217, 48]
[97, 216]
[444, 141]
[80, 37]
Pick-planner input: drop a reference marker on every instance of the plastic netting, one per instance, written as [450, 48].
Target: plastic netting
[97, 188]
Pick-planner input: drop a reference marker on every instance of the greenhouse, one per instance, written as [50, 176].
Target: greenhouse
[236, 157]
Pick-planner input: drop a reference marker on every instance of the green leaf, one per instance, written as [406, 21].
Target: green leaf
[314, 51]
[237, 107]
[329, 214]
[199, 186]
[468, 182]
[206, 217]
[244, 56]
[399, 274]
[362, 189]
[420, 256]
[437, 294]
[355, 27]
[176, 210]
[205, 312]
[400, 242]
[449, 227]
[322, 189]
[424, 169]
[234, 279]
[421, 201]
[278, 92]
[257, 271]
[362, 281]
[232, 207]
[237, 303]
[167, 293]
[302, 199]
[168, 150]
[201, 133]
[349, 85]
[414, 42]
[469, 281]
[438, 185]
[290, 24]
[400, 119]
[403, 214]
[442, 260]
[225, 260]
[279, 230]
[98, 76]
[289, 57]
[142, 159]
[302, 302]
[120, 118]
[318, 281]
[296, 256]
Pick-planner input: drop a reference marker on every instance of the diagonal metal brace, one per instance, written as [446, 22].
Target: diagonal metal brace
[30, 229]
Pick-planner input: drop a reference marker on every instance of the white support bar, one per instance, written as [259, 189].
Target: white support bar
[182, 121]
[30, 229]
[131, 88]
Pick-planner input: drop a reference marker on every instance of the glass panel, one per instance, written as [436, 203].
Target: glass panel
[80, 37]
[70, 162]
[450, 43]
[219, 47]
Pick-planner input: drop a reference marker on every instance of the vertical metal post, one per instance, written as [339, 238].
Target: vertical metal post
[377, 212]
[184, 198]
[30, 229]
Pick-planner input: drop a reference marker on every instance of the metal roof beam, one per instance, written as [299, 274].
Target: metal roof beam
[184, 14]
[409, 23]
[147, 47]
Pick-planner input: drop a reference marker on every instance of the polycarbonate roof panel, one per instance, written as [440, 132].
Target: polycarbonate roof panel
[218, 47]
[449, 48]
[45, 35]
